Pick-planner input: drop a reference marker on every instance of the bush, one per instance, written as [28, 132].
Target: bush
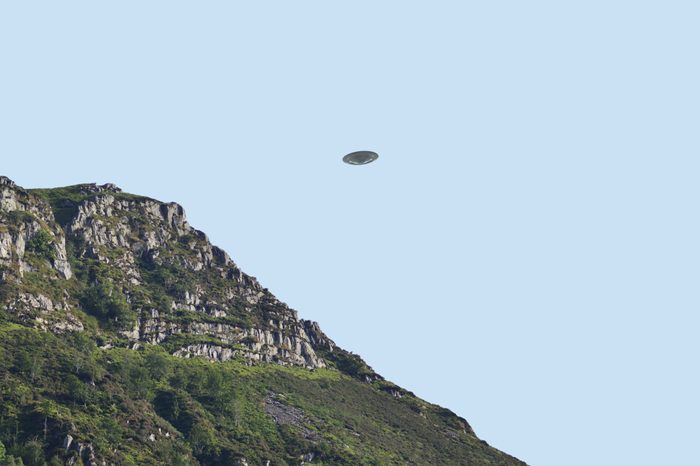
[203, 439]
[42, 245]
[32, 453]
[12, 461]
[352, 365]
[77, 390]
[28, 363]
[107, 303]
[158, 364]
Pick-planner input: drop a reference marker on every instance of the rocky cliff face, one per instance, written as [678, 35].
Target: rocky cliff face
[179, 289]
[107, 298]
[33, 244]
[23, 215]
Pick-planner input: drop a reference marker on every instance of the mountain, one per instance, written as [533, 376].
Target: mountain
[127, 338]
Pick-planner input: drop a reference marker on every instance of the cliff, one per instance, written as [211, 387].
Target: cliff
[102, 283]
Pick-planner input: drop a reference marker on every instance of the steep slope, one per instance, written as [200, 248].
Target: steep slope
[127, 338]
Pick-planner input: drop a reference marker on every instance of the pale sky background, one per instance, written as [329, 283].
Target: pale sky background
[525, 251]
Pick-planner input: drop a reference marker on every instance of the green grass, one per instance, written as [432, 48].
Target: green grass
[214, 412]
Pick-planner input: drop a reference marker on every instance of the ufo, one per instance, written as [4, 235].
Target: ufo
[362, 157]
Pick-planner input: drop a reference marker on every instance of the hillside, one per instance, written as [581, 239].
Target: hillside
[127, 338]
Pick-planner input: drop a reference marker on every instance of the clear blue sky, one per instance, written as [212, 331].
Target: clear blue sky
[525, 251]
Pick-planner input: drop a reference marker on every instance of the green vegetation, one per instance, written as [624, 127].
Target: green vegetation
[42, 245]
[63, 201]
[145, 407]
[213, 413]
[8, 460]
[352, 365]
[108, 304]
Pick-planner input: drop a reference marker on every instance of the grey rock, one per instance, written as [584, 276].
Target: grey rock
[123, 232]
[13, 240]
[67, 442]
[5, 181]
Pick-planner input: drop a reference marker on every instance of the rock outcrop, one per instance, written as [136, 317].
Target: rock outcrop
[22, 216]
[182, 291]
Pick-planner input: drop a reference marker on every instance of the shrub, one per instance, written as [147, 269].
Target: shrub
[32, 453]
[107, 303]
[28, 363]
[158, 364]
[12, 461]
[203, 439]
[352, 365]
[42, 244]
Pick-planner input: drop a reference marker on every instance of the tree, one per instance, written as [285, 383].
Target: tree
[202, 438]
[158, 364]
[33, 453]
[77, 390]
[83, 361]
[47, 409]
[29, 365]
[135, 376]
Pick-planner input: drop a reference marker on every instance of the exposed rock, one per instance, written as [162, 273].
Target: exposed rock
[5, 181]
[134, 235]
[85, 451]
[317, 338]
[95, 188]
[209, 351]
[21, 217]
[67, 442]
[284, 414]
[60, 261]
[68, 323]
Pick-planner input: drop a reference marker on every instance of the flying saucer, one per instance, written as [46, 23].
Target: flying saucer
[362, 157]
